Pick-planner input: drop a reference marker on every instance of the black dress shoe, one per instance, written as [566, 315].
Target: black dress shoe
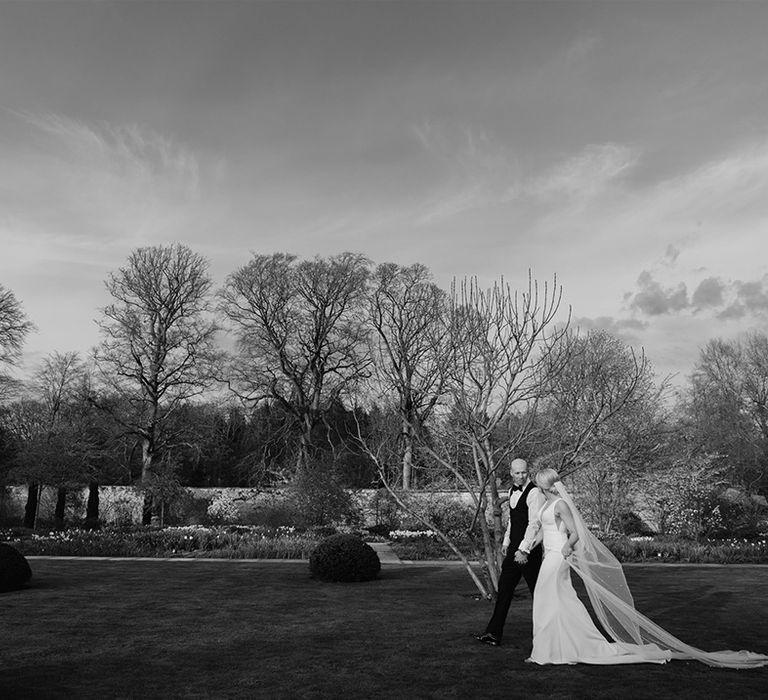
[488, 638]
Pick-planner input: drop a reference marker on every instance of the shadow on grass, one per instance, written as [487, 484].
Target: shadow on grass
[122, 629]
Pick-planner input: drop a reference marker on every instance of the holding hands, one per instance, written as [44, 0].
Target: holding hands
[521, 557]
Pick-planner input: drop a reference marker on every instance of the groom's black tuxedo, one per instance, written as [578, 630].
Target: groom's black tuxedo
[511, 571]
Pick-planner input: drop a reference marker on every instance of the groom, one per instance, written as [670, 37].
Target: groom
[525, 500]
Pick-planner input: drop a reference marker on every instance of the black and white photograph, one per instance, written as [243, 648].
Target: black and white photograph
[383, 349]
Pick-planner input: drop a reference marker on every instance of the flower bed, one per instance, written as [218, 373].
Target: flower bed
[422, 545]
[233, 542]
[260, 542]
[725, 551]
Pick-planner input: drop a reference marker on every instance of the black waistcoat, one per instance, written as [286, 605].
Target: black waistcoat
[519, 518]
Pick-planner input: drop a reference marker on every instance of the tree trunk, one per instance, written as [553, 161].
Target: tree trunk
[61, 504]
[30, 510]
[305, 445]
[407, 455]
[92, 507]
[147, 454]
[149, 506]
[485, 475]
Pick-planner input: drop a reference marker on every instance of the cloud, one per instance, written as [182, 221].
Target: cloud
[671, 254]
[78, 188]
[728, 300]
[125, 151]
[709, 293]
[473, 171]
[733, 312]
[754, 295]
[655, 300]
[582, 175]
[478, 172]
[581, 49]
[468, 152]
[675, 227]
[748, 299]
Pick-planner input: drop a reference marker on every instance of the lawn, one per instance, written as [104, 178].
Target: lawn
[229, 628]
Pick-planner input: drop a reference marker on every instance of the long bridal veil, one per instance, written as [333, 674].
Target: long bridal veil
[615, 609]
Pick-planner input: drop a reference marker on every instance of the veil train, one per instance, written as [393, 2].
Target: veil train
[615, 608]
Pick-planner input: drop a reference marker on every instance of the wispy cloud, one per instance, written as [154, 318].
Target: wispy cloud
[480, 172]
[126, 151]
[582, 48]
[583, 175]
[476, 171]
[80, 186]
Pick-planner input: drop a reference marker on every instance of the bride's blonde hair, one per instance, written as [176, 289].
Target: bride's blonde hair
[546, 477]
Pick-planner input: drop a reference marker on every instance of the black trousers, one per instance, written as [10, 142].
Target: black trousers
[511, 573]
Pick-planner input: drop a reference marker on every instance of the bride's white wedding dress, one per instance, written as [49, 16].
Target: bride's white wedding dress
[563, 631]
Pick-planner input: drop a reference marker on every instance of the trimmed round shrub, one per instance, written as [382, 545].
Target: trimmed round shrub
[344, 558]
[14, 568]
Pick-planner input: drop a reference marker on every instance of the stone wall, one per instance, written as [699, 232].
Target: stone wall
[123, 504]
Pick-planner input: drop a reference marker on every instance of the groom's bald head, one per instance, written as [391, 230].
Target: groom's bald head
[518, 470]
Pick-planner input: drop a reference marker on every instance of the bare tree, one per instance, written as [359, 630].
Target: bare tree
[500, 339]
[14, 328]
[727, 403]
[301, 334]
[602, 379]
[497, 342]
[602, 421]
[24, 420]
[380, 442]
[158, 343]
[408, 315]
[57, 379]
[59, 383]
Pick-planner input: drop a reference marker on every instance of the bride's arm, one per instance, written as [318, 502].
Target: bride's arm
[567, 518]
[533, 534]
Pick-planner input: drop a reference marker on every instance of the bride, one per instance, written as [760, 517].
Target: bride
[563, 632]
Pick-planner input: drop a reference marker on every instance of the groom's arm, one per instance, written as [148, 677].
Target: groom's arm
[533, 533]
[507, 535]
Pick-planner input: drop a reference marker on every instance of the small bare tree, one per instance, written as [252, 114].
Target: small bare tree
[499, 341]
[408, 314]
[158, 348]
[301, 335]
[14, 328]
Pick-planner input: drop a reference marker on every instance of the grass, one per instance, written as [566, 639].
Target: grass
[233, 629]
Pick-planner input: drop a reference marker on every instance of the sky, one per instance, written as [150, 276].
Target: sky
[620, 147]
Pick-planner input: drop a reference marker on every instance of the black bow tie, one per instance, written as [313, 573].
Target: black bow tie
[517, 488]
